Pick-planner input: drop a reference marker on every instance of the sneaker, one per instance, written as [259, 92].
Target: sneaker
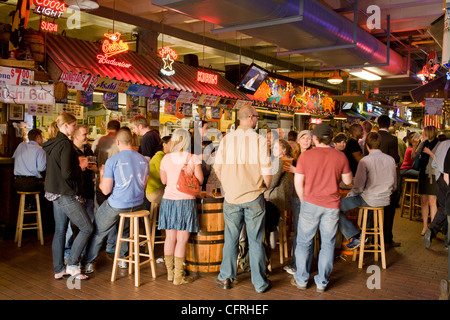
[427, 238]
[289, 270]
[354, 243]
[123, 264]
[320, 290]
[295, 284]
[89, 268]
[110, 250]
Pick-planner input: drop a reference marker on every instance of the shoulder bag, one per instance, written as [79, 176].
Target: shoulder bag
[188, 183]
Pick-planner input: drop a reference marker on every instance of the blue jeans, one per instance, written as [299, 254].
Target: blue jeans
[295, 209]
[311, 218]
[65, 208]
[253, 214]
[345, 225]
[105, 220]
[69, 234]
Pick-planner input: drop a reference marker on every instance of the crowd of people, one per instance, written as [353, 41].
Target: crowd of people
[261, 175]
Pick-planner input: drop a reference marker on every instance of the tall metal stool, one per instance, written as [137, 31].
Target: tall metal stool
[410, 193]
[28, 226]
[376, 231]
[134, 243]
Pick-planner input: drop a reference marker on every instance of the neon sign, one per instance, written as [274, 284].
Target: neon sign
[205, 77]
[168, 56]
[115, 46]
[49, 8]
[111, 46]
[49, 26]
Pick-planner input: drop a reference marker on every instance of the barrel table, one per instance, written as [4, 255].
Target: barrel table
[204, 248]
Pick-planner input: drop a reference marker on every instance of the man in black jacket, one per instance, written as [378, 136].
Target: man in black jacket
[389, 146]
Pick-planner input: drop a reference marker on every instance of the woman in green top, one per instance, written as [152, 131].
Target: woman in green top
[155, 189]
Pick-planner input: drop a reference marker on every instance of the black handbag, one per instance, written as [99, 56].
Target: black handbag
[416, 163]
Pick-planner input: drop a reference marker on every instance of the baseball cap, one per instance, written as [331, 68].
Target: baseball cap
[303, 132]
[322, 130]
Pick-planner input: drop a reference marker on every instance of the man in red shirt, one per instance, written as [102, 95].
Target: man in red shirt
[317, 178]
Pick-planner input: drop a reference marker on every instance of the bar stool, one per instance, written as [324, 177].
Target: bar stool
[154, 220]
[282, 238]
[377, 231]
[28, 226]
[409, 191]
[134, 243]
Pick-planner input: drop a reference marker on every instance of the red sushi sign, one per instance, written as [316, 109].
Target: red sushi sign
[205, 77]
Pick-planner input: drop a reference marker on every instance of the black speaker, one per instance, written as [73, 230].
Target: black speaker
[191, 60]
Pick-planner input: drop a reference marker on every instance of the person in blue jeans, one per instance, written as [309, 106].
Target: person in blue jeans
[317, 177]
[63, 188]
[244, 169]
[375, 180]
[124, 175]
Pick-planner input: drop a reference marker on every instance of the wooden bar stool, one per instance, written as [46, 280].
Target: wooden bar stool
[28, 226]
[154, 220]
[134, 243]
[283, 238]
[376, 231]
[410, 193]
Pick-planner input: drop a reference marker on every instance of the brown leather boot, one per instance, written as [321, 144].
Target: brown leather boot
[170, 267]
[179, 274]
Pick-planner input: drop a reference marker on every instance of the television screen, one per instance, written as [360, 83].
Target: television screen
[369, 107]
[252, 79]
[347, 106]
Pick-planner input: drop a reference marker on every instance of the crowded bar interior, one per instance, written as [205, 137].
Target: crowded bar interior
[288, 70]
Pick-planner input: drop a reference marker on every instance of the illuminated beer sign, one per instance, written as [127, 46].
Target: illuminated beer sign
[49, 8]
[111, 46]
[49, 26]
[205, 77]
[168, 56]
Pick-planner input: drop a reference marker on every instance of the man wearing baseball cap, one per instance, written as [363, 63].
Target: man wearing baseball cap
[317, 178]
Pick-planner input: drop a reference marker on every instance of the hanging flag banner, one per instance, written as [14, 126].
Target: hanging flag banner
[132, 102]
[433, 106]
[189, 97]
[166, 94]
[432, 120]
[111, 100]
[42, 94]
[40, 110]
[169, 107]
[106, 84]
[153, 105]
[226, 103]
[141, 91]
[208, 101]
[86, 98]
[79, 81]
[187, 109]
[16, 76]
[215, 113]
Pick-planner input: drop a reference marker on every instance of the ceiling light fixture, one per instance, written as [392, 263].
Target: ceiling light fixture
[364, 74]
[83, 5]
[335, 79]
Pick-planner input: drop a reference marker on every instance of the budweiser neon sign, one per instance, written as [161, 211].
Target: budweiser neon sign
[206, 77]
[168, 56]
[111, 46]
[49, 8]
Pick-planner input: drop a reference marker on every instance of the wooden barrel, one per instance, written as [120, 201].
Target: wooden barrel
[204, 249]
[35, 41]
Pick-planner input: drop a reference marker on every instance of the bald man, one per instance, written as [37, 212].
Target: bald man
[244, 169]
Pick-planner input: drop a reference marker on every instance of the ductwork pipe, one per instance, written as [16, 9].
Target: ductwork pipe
[277, 22]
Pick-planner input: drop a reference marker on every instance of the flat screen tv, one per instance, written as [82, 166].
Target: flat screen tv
[252, 79]
[347, 106]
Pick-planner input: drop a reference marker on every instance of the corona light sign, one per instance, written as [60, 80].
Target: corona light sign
[168, 56]
[111, 46]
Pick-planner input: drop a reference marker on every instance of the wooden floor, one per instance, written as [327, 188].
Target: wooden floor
[413, 273]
